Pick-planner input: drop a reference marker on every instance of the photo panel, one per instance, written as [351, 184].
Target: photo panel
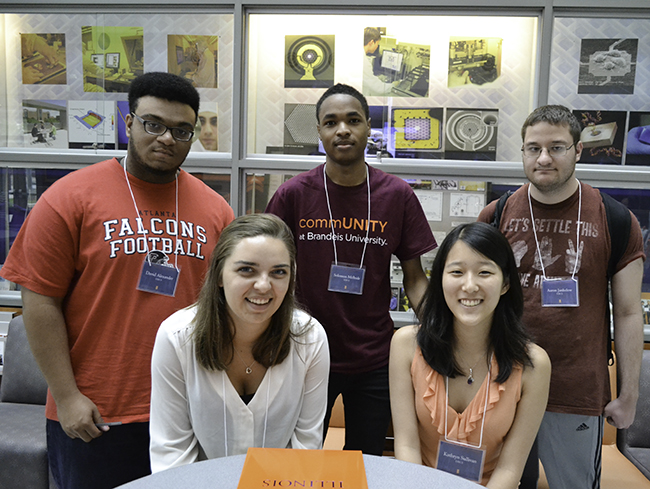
[91, 124]
[417, 132]
[607, 66]
[206, 131]
[474, 62]
[392, 68]
[300, 129]
[45, 124]
[309, 61]
[603, 132]
[379, 142]
[637, 150]
[195, 58]
[112, 57]
[471, 134]
[43, 59]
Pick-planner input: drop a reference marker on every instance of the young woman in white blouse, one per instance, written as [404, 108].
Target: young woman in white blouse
[242, 367]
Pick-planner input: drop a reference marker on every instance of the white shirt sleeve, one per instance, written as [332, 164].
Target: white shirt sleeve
[173, 441]
[309, 428]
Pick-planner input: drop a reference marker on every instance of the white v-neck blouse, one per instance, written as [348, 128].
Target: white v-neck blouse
[187, 401]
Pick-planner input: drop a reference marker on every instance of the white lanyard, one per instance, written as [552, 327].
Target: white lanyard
[539, 253]
[329, 208]
[487, 393]
[139, 219]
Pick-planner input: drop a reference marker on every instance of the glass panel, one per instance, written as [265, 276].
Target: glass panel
[218, 183]
[20, 188]
[448, 202]
[67, 75]
[598, 68]
[439, 86]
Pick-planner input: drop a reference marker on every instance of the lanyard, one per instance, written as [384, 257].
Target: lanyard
[139, 219]
[539, 253]
[329, 208]
[487, 393]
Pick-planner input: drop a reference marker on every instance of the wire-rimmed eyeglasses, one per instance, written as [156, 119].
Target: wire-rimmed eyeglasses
[554, 151]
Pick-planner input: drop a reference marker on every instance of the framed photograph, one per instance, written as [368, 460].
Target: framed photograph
[607, 66]
[45, 123]
[471, 134]
[43, 59]
[308, 61]
[638, 139]
[112, 57]
[474, 62]
[603, 132]
[195, 58]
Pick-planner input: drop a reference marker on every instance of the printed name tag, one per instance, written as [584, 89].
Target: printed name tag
[560, 293]
[158, 279]
[461, 460]
[346, 279]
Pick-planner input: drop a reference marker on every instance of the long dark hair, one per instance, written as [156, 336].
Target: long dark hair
[508, 337]
[213, 329]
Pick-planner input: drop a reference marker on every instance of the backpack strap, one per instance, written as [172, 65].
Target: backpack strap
[501, 203]
[619, 223]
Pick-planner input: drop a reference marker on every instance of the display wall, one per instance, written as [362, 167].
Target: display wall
[478, 69]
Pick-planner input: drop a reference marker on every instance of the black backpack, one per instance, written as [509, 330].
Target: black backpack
[619, 224]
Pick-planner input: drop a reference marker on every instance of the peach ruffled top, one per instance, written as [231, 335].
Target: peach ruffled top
[430, 405]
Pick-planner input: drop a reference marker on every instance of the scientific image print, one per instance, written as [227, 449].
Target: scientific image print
[112, 57]
[43, 59]
[91, 124]
[308, 61]
[471, 134]
[474, 62]
[300, 132]
[195, 58]
[392, 68]
[417, 133]
[638, 139]
[603, 132]
[607, 66]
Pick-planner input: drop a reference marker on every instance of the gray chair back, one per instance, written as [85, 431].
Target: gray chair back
[634, 442]
[22, 380]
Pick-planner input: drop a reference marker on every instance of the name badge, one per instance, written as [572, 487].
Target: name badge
[346, 279]
[560, 293]
[461, 460]
[158, 278]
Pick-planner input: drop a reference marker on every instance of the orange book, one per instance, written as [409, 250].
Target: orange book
[283, 467]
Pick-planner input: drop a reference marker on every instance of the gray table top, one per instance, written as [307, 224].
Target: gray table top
[381, 472]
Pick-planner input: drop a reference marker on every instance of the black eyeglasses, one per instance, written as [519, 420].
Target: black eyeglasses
[553, 151]
[158, 129]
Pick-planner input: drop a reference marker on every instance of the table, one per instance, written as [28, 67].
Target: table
[381, 472]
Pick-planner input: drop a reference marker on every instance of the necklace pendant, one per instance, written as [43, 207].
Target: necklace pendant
[470, 380]
[249, 370]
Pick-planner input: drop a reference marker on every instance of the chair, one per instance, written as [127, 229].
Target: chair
[335, 438]
[23, 445]
[634, 442]
[617, 471]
